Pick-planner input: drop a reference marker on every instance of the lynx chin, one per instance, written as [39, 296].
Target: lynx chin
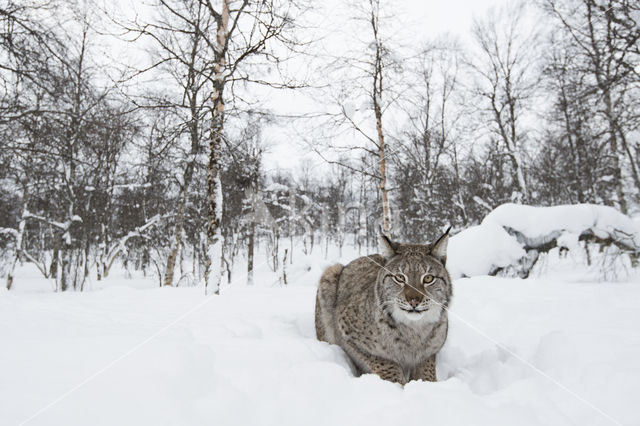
[388, 311]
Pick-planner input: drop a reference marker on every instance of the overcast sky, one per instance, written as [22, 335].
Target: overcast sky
[432, 17]
[414, 22]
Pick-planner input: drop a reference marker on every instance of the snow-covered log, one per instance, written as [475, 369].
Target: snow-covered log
[514, 235]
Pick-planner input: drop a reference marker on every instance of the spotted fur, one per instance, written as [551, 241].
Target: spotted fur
[387, 327]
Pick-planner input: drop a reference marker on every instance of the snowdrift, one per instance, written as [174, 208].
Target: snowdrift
[148, 356]
[512, 236]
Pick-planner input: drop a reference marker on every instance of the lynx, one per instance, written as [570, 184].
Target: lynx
[388, 312]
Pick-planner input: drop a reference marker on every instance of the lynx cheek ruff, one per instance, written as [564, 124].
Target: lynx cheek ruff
[388, 311]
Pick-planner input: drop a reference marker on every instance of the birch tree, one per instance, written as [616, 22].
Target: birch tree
[233, 34]
[427, 176]
[245, 30]
[364, 89]
[573, 165]
[55, 121]
[604, 37]
[504, 71]
[378, 87]
[180, 55]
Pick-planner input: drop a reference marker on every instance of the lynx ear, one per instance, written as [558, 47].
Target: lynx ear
[439, 248]
[387, 247]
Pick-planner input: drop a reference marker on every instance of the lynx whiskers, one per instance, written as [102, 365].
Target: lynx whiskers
[388, 312]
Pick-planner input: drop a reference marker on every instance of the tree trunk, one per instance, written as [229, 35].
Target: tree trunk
[602, 62]
[18, 242]
[214, 184]
[250, 251]
[386, 212]
[575, 153]
[377, 109]
[456, 168]
[284, 267]
[632, 161]
[511, 148]
[63, 276]
[613, 144]
[173, 254]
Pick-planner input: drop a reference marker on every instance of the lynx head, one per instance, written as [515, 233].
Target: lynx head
[414, 285]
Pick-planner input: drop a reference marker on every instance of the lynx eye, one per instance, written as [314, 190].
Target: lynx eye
[399, 278]
[428, 279]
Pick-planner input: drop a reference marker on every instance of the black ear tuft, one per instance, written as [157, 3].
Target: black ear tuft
[387, 247]
[439, 248]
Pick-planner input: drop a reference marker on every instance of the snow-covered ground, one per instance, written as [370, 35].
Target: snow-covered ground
[520, 352]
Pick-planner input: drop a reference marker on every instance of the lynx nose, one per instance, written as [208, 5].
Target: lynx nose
[414, 302]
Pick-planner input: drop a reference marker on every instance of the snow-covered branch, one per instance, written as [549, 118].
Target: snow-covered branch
[120, 245]
[63, 226]
[9, 231]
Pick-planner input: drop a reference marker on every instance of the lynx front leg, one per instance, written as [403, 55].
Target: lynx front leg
[366, 363]
[425, 371]
[388, 370]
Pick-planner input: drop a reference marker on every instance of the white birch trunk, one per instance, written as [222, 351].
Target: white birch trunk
[214, 232]
[19, 236]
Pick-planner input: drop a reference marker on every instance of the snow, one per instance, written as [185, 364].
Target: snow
[131, 186]
[569, 240]
[214, 253]
[482, 249]
[349, 109]
[133, 354]
[28, 215]
[9, 231]
[536, 222]
[478, 250]
[481, 202]
[276, 187]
